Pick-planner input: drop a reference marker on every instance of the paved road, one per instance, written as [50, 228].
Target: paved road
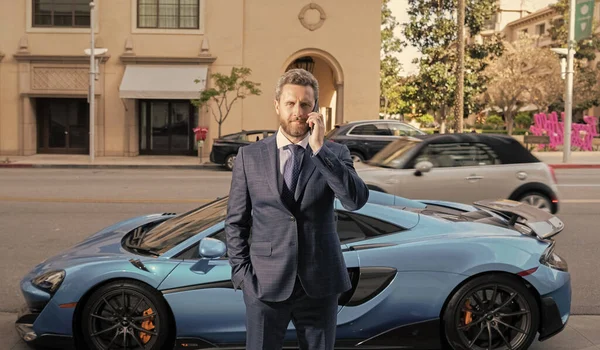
[42, 211]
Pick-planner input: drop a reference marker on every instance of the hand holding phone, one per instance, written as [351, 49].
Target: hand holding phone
[317, 127]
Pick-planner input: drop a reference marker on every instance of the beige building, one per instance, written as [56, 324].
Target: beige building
[155, 51]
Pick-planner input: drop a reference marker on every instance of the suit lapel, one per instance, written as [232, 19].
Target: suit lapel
[269, 158]
[308, 167]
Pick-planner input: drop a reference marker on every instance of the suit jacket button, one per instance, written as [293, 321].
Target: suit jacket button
[292, 218]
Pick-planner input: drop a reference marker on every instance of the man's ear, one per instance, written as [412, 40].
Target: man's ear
[276, 103]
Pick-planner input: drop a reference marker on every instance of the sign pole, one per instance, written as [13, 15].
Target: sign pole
[581, 14]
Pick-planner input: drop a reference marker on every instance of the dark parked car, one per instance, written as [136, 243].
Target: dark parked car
[365, 138]
[225, 149]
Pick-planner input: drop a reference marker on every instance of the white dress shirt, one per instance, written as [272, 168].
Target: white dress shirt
[285, 154]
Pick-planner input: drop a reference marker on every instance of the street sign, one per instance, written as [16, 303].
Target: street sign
[584, 14]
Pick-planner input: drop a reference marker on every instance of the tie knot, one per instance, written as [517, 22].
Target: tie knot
[296, 149]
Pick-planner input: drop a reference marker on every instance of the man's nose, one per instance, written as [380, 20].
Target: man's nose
[297, 110]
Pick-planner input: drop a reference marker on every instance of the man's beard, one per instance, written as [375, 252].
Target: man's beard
[293, 129]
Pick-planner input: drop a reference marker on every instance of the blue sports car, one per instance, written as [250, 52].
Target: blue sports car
[425, 275]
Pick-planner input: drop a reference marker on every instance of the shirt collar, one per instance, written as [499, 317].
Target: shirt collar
[283, 141]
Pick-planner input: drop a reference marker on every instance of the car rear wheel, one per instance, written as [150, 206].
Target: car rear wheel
[537, 200]
[229, 162]
[125, 315]
[491, 312]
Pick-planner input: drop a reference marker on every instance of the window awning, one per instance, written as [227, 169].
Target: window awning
[162, 81]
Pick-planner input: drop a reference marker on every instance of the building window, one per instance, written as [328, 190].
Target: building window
[61, 13]
[541, 29]
[176, 14]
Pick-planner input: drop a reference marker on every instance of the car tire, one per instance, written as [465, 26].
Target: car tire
[357, 157]
[489, 316]
[132, 308]
[229, 162]
[538, 200]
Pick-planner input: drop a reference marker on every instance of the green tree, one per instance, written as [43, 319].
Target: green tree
[559, 32]
[390, 68]
[524, 74]
[433, 30]
[228, 89]
[586, 87]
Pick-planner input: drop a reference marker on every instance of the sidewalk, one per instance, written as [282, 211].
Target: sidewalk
[83, 161]
[577, 159]
[581, 333]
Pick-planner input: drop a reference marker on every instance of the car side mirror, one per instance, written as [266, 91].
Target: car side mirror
[423, 167]
[211, 248]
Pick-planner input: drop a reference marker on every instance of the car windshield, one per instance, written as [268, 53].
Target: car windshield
[392, 156]
[176, 230]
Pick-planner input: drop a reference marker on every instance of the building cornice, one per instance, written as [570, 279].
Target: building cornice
[26, 57]
[534, 17]
[134, 59]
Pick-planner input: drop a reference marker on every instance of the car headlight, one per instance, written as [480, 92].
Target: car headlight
[553, 260]
[49, 281]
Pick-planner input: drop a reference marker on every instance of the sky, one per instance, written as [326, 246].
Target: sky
[409, 53]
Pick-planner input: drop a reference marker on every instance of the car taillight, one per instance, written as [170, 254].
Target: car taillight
[553, 260]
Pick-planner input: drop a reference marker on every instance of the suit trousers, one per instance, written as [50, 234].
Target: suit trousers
[315, 321]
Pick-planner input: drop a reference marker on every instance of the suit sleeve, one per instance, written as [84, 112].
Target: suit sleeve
[341, 176]
[238, 222]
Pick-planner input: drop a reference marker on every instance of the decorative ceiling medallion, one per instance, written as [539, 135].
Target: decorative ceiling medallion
[312, 26]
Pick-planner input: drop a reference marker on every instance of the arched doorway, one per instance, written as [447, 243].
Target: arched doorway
[329, 73]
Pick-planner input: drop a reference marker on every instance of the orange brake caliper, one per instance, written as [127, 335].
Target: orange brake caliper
[468, 314]
[147, 325]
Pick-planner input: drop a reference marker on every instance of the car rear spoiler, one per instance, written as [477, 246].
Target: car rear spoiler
[543, 224]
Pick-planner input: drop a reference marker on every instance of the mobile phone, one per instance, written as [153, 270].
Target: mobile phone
[315, 109]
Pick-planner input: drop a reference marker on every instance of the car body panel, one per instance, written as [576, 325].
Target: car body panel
[229, 144]
[376, 135]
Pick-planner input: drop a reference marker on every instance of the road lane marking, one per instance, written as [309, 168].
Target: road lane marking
[579, 201]
[103, 200]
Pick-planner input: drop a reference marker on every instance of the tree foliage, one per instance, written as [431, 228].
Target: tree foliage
[559, 32]
[226, 91]
[389, 73]
[524, 74]
[586, 87]
[433, 30]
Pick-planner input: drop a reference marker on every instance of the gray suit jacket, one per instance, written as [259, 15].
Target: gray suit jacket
[287, 243]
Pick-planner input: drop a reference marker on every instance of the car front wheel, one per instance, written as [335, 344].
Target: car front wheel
[125, 315]
[492, 312]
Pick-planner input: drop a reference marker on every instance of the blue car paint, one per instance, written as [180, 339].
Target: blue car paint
[419, 289]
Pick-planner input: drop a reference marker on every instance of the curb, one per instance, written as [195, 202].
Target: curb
[575, 166]
[111, 166]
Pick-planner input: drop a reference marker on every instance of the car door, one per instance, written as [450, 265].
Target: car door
[201, 295]
[496, 180]
[207, 306]
[453, 177]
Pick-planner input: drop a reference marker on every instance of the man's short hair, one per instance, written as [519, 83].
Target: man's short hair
[297, 76]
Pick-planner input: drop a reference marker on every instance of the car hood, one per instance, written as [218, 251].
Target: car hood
[101, 246]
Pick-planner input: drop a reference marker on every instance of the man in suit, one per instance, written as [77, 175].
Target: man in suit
[282, 195]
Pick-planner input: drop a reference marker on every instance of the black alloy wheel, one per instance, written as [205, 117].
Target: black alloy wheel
[125, 315]
[492, 312]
